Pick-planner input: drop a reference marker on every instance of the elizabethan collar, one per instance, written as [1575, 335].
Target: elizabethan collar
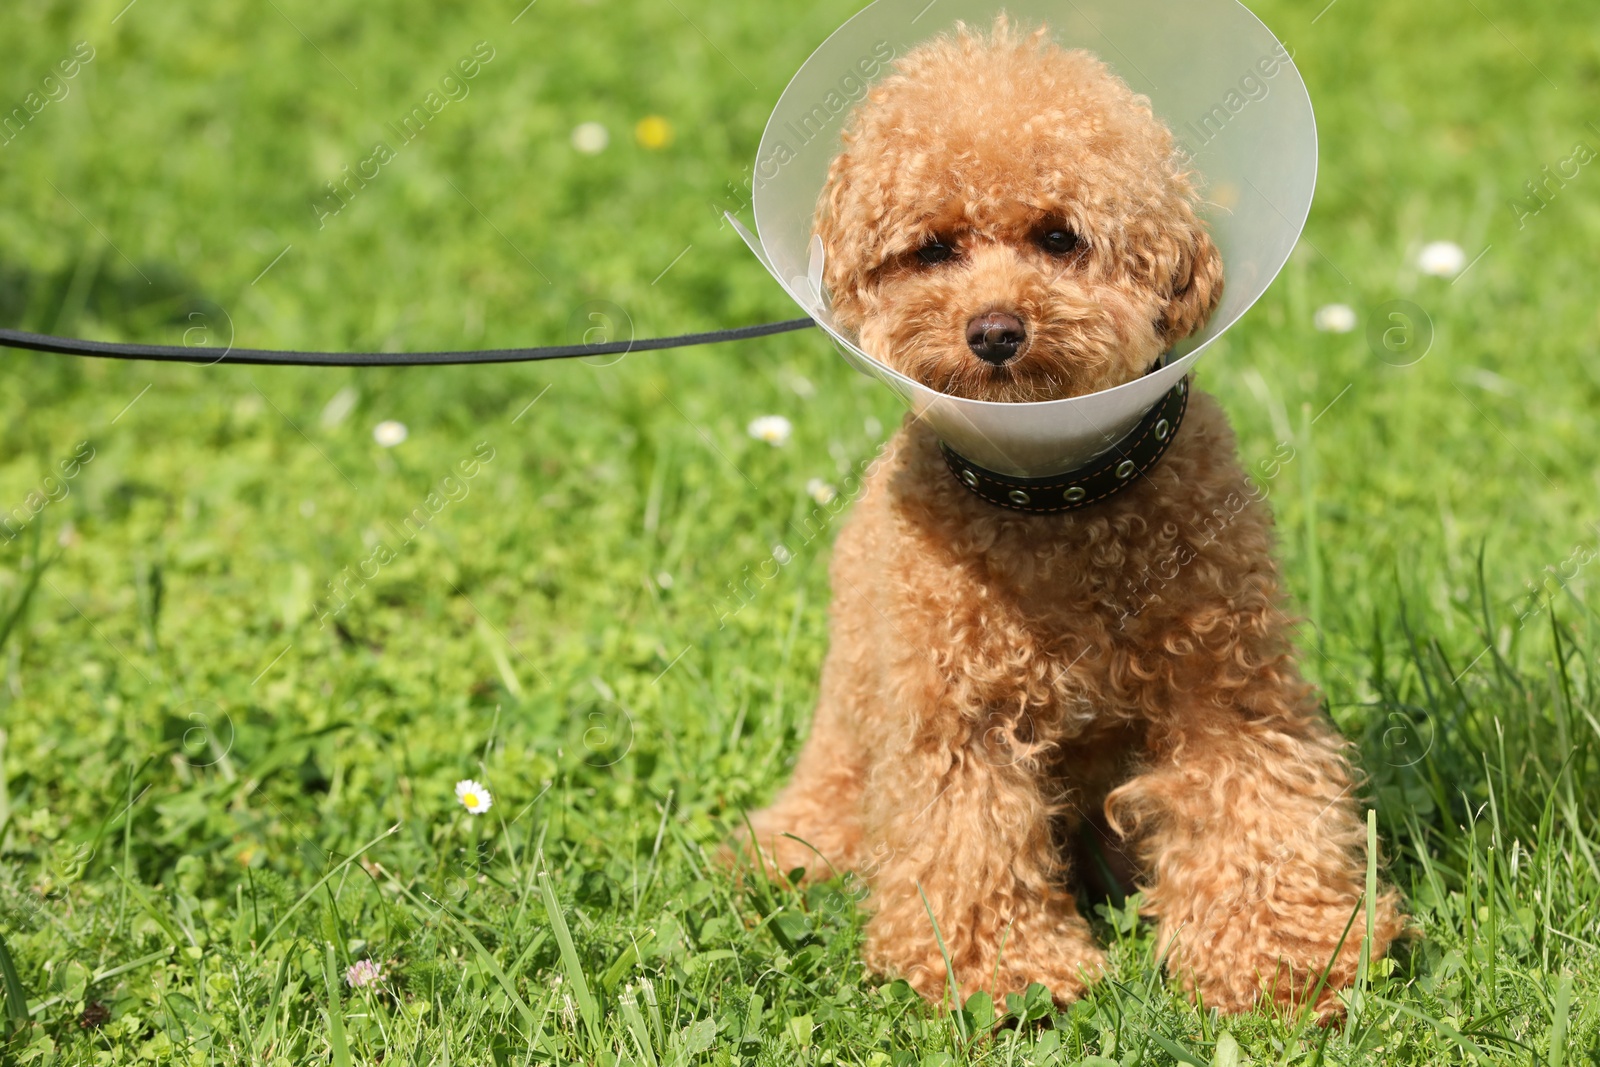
[1214, 74]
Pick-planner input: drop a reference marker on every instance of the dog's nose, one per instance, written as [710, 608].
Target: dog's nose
[995, 336]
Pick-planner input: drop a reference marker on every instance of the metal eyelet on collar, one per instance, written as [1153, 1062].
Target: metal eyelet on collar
[1116, 469]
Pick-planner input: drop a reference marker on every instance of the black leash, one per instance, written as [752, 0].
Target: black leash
[202, 356]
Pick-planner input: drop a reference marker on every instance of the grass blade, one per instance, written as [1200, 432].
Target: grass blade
[1558, 1022]
[100, 976]
[949, 969]
[637, 1027]
[506, 984]
[1364, 969]
[504, 979]
[1177, 1051]
[18, 607]
[569, 956]
[336, 1038]
[16, 999]
[341, 865]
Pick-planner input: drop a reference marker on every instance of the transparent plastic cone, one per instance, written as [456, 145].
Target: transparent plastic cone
[1214, 74]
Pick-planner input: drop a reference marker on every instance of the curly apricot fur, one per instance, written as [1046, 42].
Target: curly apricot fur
[996, 680]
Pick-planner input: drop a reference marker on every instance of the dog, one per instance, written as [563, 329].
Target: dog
[1008, 221]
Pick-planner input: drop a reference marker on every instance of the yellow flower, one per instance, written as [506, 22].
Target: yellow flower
[653, 132]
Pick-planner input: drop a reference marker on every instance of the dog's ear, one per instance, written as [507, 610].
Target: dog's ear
[1196, 285]
[858, 229]
[842, 240]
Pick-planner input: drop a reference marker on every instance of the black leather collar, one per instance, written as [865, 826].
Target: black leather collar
[1102, 477]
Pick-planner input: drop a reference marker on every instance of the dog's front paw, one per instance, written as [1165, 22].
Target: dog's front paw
[1285, 956]
[1066, 968]
[1061, 956]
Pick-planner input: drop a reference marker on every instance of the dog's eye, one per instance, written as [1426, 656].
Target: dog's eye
[1058, 242]
[935, 251]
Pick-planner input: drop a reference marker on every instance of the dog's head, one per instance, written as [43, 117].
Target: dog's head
[1008, 221]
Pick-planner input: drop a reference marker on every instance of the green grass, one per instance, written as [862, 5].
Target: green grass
[219, 792]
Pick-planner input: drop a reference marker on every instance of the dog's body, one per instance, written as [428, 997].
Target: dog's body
[998, 680]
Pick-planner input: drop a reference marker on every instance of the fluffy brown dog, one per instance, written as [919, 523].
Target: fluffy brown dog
[1008, 222]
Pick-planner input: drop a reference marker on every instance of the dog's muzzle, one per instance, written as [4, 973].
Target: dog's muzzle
[1120, 466]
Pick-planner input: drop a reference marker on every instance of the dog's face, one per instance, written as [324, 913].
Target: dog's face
[1007, 222]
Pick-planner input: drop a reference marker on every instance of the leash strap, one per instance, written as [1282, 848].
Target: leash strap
[1104, 476]
[197, 356]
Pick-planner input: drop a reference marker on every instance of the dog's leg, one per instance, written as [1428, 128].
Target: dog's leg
[815, 823]
[1257, 858]
[961, 834]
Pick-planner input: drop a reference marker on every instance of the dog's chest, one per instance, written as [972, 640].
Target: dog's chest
[1076, 619]
[1054, 622]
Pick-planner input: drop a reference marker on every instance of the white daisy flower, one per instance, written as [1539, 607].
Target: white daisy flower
[363, 973]
[821, 491]
[473, 796]
[1334, 318]
[773, 429]
[590, 138]
[389, 433]
[1442, 259]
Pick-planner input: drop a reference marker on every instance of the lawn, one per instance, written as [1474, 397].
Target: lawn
[249, 650]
